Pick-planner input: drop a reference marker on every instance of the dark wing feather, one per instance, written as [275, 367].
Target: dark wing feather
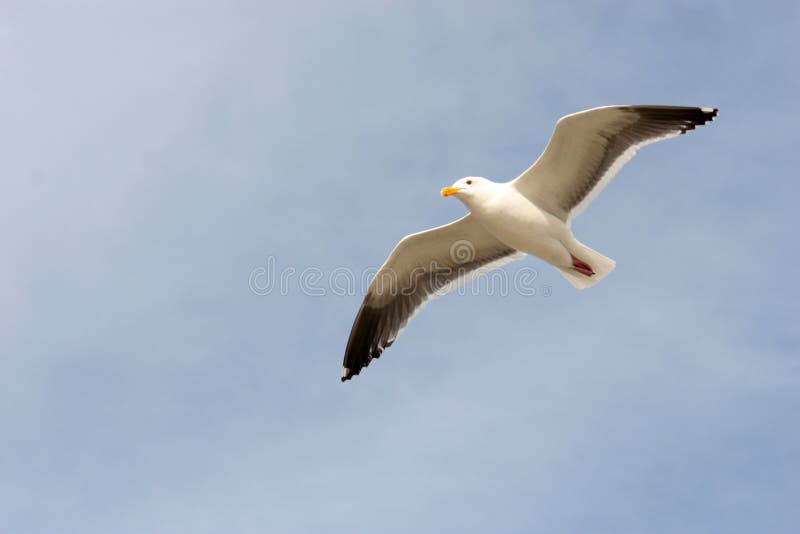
[421, 266]
[588, 148]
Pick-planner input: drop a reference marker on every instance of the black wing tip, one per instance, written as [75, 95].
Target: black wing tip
[366, 342]
[709, 114]
[348, 373]
[681, 118]
[705, 115]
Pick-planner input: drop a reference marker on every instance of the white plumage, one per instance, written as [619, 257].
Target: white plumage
[528, 215]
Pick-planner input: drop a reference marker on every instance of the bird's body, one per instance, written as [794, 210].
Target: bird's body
[519, 223]
[528, 215]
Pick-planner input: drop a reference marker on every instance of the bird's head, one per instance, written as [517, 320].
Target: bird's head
[467, 188]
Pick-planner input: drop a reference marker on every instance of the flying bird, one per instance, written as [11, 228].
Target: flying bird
[528, 215]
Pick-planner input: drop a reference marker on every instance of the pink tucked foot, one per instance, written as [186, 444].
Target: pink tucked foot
[581, 266]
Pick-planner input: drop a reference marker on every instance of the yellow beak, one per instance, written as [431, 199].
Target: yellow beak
[447, 191]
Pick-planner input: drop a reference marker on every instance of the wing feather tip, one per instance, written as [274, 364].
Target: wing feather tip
[710, 113]
[347, 374]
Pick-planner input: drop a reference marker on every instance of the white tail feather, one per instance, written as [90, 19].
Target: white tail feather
[601, 265]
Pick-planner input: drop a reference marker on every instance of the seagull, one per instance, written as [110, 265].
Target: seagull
[528, 215]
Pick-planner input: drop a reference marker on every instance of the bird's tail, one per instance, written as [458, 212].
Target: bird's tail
[601, 265]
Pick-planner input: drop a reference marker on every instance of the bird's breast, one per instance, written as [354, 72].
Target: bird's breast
[519, 223]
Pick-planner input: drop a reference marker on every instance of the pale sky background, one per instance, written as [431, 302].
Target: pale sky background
[155, 153]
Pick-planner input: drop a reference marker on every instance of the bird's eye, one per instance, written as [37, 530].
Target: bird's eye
[469, 182]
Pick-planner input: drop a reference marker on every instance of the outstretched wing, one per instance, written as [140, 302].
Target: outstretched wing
[421, 266]
[588, 148]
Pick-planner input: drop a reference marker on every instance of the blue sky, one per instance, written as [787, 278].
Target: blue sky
[156, 153]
